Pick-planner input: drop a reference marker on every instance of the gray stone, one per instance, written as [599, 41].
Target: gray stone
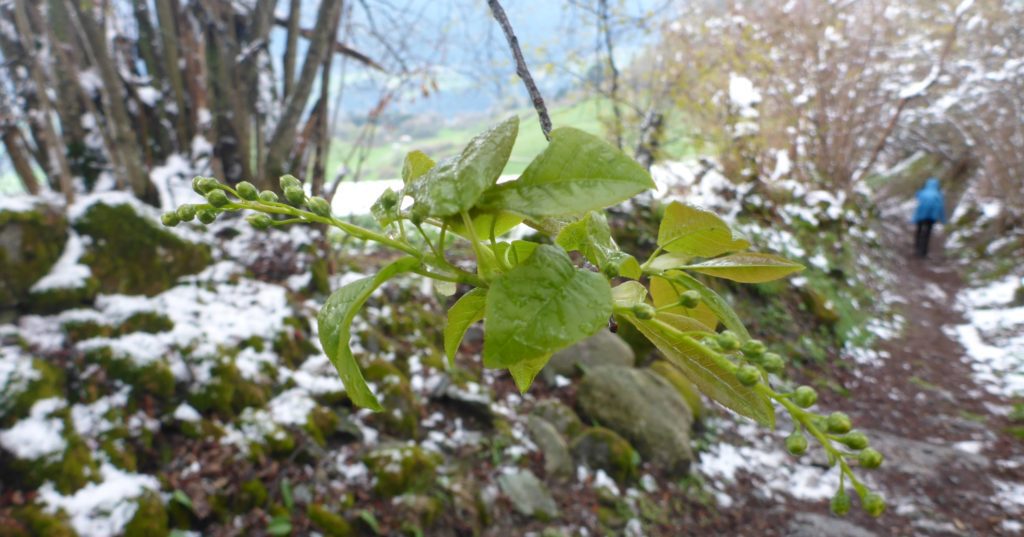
[815, 525]
[923, 460]
[31, 241]
[642, 407]
[528, 495]
[557, 461]
[603, 348]
[601, 448]
[557, 413]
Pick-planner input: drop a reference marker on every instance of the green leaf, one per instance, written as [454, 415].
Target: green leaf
[683, 323]
[416, 164]
[577, 172]
[711, 372]
[454, 185]
[629, 294]
[524, 372]
[335, 323]
[748, 267]
[370, 519]
[466, 311]
[484, 223]
[286, 494]
[515, 252]
[665, 293]
[591, 236]
[713, 301]
[693, 231]
[386, 213]
[182, 498]
[541, 306]
[280, 525]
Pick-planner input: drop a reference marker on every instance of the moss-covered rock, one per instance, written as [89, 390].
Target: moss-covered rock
[603, 449]
[558, 414]
[229, 392]
[603, 348]
[31, 241]
[328, 523]
[77, 467]
[145, 321]
[150, 518]
[400, 469]
[76, 330]
[32, 520]
[643, 408]
[42, 381]
[321, 424]
[132, 253]
[682, 385]
[56, 299]
[557, 461]
[401, 415]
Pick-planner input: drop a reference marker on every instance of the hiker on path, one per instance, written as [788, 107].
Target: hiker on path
[931, 208]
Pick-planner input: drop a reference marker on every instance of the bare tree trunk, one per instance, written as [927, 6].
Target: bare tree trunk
[323, 145]
[125, 139]
[19, 159]
[167, 11]
[290, 46]
[56, 163]
[320, 44]
[613, 91]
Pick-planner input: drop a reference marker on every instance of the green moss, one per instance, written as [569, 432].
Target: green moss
[321, 424]
[280, 443]
[398, 470]
[155, 380]
[252, 494]
[30, 244]
[76, 331]
[132, 254]
[120, 455]
[150, 518]
[49, 384]
[145, 321]
[560, 415]
[330, 524]
[293, 343]
[77, 467]
[32, 520]
[59, 299]
[603, 449]
[402, 409]
[229, 393]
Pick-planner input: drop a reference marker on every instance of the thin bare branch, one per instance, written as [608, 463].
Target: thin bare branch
[521, 69]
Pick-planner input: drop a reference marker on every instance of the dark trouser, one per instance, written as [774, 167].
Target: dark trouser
[924, 235]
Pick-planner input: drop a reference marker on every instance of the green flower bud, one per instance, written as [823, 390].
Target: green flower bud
[748, 375]
[855, 440]
[610, 271]
[712, 344]
[186, 212]
[873, 504]
[259, 220]
[753, 349]
[689, 299]
[217, 198]
[728, 341]
[295, 195]
[870, 458]
[319, 206]
[170, 219]
[805, 396]
[796, 443]
[206, 216]
[289, 181]
[773, 363]
[418, 214]
[838, 423]
[644, 311]
[202, 185]
[389, 199]
[247, 191]
[196, 182]
[840, 503]
[268, 196]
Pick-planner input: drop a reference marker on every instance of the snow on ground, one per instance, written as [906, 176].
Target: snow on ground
[38, 435]
[764, 459]
[104, 508]
[67, 272]
[993, 336]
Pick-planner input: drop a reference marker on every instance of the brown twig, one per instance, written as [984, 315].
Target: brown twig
[521, 69]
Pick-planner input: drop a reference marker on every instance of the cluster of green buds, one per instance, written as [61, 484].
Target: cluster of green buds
[835, 431]
[222, 198]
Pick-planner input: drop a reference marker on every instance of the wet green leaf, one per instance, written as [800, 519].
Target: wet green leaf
[416, 164]
[524, 372]
[709, 371]
[455, 184]
[335, 323]
[541, 306]
[485, 223]
[577, 172]
[696, 232]
[665, 293]
[628, 294]
[466, 311]
[591, 236]
[748, 267]
[714, 302]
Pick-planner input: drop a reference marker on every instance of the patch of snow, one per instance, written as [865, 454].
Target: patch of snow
[104, 508]
[67, 272]
[353, 199]
[291, 407]
[993, 336]
[38, 435]
[185, 412]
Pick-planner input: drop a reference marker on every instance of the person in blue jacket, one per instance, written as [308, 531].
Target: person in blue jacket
[931, 208]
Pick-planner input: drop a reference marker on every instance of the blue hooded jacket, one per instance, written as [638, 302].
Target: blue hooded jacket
[931, 205]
